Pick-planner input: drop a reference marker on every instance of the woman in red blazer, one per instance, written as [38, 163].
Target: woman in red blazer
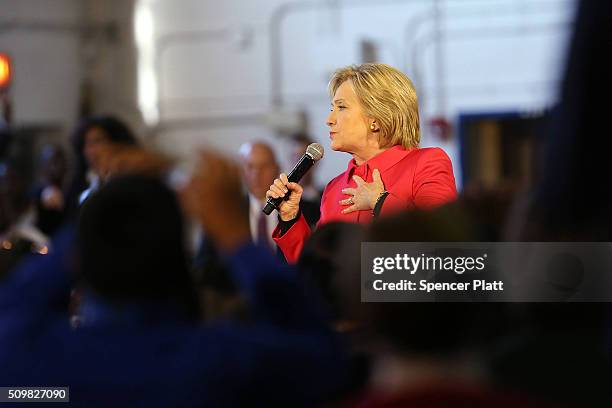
[374, 117]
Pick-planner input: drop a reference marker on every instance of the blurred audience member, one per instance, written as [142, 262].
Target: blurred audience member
[321, 261]
[90, 135]
[562, 350]
[5, 139]
[139, 342]
[320, 264]
[259, 168]
[427, 354]
[573, 197]
[19, 235]
[49, 195]
[220, 296]
[137, 220]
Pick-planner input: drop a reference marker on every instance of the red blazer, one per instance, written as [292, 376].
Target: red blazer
[414, 178]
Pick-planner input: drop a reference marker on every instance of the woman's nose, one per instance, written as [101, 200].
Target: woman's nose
[331, 118]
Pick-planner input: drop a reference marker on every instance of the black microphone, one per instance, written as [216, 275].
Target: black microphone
[314, 153]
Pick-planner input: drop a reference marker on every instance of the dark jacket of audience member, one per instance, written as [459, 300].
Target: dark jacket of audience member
[19, 236]
[138, 342]
[49, 194]
[560, 351]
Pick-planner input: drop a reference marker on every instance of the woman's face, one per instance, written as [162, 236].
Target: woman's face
[348, 124]
[95, 138]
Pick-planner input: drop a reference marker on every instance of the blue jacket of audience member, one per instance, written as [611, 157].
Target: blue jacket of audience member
[286, 357]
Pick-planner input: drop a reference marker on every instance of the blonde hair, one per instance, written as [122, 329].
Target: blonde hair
[388, 96]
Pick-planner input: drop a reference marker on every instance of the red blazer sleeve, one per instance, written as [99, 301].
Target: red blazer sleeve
[433, 184]
[292, 241]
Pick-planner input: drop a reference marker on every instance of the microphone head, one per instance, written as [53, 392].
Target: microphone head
[315, 150]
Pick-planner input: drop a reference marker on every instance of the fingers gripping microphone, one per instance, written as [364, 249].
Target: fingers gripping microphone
[314, 153]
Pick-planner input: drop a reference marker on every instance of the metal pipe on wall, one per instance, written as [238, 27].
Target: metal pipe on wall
[108, 29]
[413, 25]
[460, 34]
[285, 10]
[279, 15]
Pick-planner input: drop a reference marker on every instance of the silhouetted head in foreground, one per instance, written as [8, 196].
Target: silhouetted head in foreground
[132, 246]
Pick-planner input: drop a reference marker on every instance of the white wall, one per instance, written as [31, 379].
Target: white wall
[58, 46]
[111, 58]
[45, 56]
[213, 70]
[495, 55]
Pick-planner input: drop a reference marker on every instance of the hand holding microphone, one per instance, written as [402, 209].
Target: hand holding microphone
[288, 207]
[285, 193]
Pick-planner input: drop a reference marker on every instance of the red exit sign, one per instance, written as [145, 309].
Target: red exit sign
[5, 70]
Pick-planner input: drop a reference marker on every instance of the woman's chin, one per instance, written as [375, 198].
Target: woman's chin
[335, 146]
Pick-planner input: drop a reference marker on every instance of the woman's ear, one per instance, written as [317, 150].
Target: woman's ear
[374, 127]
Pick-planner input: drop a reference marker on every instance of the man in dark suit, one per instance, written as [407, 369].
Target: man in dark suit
[259, 168]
